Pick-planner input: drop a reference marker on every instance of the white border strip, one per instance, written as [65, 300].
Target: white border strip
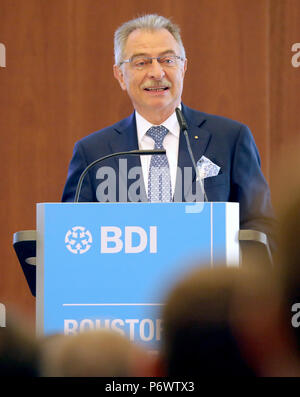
[232, 234]
[40, 216]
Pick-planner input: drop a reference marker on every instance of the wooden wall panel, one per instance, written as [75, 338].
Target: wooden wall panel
[227, 43]
[284, 99]
[58, 86]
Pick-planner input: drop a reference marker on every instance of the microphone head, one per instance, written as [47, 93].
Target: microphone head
[181, 120]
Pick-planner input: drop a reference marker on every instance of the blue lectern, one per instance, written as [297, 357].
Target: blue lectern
[111, 265]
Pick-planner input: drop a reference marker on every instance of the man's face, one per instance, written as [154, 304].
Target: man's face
[137, 82]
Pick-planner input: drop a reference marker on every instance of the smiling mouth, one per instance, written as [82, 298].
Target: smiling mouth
[156, 89]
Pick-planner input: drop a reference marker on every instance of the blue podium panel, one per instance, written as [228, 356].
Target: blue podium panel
[110, 265]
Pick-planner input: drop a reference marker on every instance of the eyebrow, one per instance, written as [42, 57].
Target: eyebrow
[144, 54]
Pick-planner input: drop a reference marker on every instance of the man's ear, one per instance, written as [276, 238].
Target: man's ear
[119, 76]
[185, 66]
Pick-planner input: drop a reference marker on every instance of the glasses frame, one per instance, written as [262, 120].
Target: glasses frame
[129, 60]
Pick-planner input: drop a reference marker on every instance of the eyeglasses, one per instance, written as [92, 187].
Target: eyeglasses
[141, 62]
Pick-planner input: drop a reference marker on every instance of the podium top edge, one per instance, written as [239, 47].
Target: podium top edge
[143, 202]
[24, 235]
[253, 235]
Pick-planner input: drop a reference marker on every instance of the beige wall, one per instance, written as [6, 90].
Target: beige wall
[58, 86]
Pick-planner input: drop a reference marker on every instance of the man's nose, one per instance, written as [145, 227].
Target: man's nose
[155, 70]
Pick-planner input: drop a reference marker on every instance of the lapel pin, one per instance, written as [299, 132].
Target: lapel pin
[196, 137]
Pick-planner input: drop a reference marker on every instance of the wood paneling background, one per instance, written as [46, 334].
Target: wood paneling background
[58, 86]
[284, 83]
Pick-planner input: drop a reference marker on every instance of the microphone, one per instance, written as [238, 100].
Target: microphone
[132, 152]
[184, 127]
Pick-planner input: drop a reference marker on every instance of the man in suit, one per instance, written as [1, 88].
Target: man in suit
[150, 64]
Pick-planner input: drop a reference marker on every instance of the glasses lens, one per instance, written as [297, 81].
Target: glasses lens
[139, 62]
[169, 60]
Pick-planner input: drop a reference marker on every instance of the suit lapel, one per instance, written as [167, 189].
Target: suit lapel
[199, 138]
[123, 139]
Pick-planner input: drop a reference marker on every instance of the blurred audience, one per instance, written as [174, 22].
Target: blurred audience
[228, 322]
[288, 263]
[19, 350]
[286, 198]
[101, 353]
[262, 328]
[198, 337]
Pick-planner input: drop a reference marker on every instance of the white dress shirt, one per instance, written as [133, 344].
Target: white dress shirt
[170, 143]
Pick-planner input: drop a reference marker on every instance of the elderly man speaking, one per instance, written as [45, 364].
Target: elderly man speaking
[150, 64]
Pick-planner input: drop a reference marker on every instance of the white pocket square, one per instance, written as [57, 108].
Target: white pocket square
[207, 168]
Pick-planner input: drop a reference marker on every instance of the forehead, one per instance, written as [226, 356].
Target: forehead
[150, 42]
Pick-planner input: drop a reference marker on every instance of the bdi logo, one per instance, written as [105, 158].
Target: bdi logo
[296, 57]
[135, 238]
[131, 240]
[2, 55]
[2, 315]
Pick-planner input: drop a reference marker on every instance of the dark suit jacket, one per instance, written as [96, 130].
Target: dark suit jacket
[227, 143]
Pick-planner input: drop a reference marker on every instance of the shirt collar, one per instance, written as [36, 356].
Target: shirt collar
[143, 125]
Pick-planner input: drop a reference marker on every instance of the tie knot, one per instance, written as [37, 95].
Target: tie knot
[158, 134]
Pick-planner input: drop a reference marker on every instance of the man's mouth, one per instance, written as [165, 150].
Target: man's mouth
[156, 89]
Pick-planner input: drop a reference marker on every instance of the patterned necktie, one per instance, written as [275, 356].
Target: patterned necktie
[159, 180]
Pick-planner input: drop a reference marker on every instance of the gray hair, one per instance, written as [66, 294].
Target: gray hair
[146, 22]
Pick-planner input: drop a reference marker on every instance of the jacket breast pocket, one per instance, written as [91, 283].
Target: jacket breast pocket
[217, 187]
[215, 180]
